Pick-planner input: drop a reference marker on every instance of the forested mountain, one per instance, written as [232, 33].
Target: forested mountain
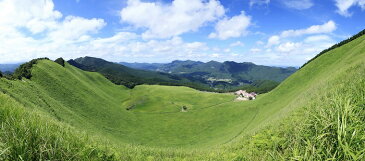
[227, 78]
[120, 74]
[218, 74]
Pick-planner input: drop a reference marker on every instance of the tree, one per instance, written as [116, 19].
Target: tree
[1, 74]
[24, 70]
[60, 61]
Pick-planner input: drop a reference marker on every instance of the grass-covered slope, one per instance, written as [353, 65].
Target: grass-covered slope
[315, 114]
[90, 102]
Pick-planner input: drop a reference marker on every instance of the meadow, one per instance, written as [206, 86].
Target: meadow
[64, 113]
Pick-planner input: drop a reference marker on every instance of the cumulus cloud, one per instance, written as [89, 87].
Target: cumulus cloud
[233, 27]
[288, 47]
[72, 37]
[36, 15]
[298, 4]
[317, 38]
[74, 28]
[296, 46]
[344, 5]
[168, 20]
[327, 27]
[33, 28]
[273, 40]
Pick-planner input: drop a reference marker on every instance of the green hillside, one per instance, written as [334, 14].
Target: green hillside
[315, 114]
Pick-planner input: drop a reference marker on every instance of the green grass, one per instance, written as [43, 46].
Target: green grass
[315, 114]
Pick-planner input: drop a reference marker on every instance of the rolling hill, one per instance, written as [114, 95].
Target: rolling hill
[315, 114]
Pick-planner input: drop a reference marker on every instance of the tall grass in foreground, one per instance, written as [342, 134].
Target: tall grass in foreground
[28, 135]
[330, 127]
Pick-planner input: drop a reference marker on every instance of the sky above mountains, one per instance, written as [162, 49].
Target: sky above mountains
[268, 32]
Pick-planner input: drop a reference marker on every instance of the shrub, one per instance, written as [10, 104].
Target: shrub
[60, 61]
[24, 70]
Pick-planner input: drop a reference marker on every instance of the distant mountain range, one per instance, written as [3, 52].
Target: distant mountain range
[9, 68]
[213, 72]
[130, 77]
[210, 76]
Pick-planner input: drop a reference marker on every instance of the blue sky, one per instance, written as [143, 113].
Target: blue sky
[268, 32]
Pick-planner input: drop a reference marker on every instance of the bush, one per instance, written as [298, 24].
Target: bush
[1, 74]
[24, 70]
[60, 61]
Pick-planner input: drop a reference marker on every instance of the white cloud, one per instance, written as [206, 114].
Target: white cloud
[344, 5]
[34, 15]
[32, 28]
[73, 28]
[168, 20]
[298, 4]
[293, 47]
[233, 27]
[237, 43]
[259, 2]
[317, 38]
[327, 27]
[288, 47]
[273, 40]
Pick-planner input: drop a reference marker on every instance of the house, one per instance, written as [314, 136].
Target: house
[244, 95]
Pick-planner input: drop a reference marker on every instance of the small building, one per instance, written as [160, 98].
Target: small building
[243, 95]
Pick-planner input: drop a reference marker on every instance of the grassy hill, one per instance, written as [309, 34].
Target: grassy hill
[315, 114]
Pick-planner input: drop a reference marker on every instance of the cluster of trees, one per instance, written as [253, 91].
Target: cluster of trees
[361, 33]
[24, 70]
[60, 61]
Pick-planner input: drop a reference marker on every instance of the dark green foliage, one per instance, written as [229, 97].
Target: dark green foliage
[259, 87]
[1, 74]
[24, 70]
[361, 33]
[236, 72]
[129, 77]
[223, 77]
[60, 61]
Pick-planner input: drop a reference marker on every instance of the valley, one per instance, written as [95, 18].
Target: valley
[214, 127]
